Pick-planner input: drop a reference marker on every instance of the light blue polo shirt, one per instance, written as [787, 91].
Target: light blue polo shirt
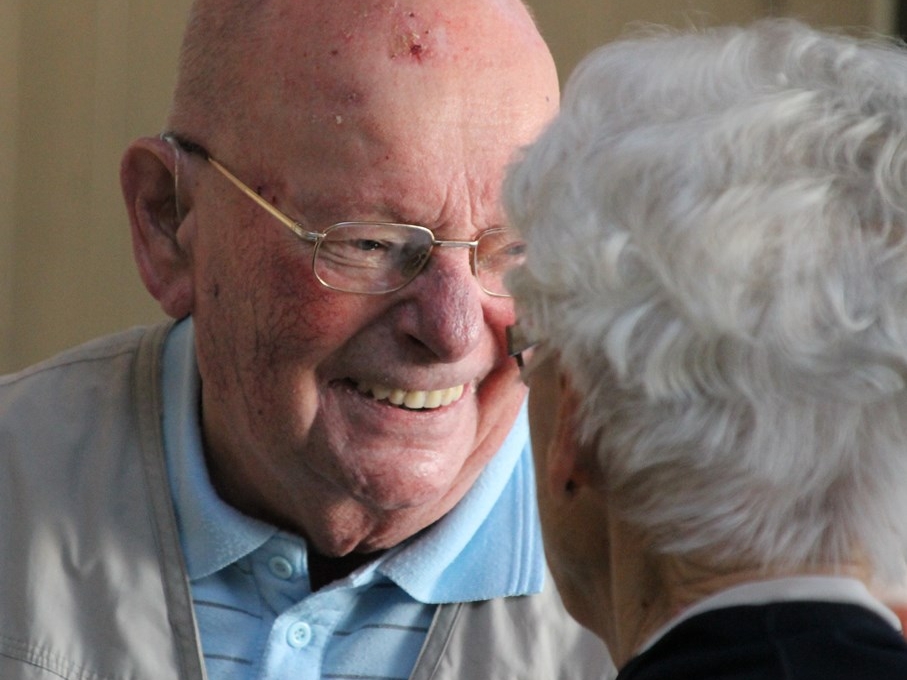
[257, 615]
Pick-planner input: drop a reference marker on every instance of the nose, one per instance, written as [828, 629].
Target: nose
[443, 309]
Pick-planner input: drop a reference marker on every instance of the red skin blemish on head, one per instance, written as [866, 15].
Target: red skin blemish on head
[414, 44]
[411, 37]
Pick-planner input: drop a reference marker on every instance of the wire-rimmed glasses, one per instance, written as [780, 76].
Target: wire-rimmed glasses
[521, 347]
[381, 257]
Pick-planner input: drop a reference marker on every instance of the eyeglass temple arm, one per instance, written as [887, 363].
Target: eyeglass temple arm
[199, 150]
[518, 341]
[184, 144]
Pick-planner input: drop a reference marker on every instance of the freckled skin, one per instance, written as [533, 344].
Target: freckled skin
[422, 140]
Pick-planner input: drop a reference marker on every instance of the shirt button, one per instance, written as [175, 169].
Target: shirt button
[281, 567]
[299, 635]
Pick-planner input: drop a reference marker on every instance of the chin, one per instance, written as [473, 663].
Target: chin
[391, 477]
[391, 496]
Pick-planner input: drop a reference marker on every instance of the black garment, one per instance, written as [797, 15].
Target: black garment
[779, 641]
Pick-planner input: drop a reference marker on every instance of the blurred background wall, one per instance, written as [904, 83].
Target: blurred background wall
[80, 78]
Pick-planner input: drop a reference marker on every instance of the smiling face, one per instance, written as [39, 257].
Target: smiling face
[357, 420]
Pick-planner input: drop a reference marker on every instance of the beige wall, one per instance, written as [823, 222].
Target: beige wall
[9, 46]
[80, 78]
[573, 27]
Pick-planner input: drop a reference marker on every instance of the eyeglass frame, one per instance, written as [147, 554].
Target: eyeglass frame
[520, 345]
[315, 237]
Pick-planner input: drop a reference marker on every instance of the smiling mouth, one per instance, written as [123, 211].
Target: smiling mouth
[412, 399]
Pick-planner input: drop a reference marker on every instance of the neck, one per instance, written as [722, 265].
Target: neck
[665, 586]
[691, 580]
[641, 591]
[640, 601]
[324, 570]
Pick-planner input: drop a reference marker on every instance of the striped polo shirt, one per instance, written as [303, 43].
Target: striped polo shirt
[257, 616]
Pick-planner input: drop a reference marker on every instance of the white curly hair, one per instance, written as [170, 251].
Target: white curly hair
[717, 247]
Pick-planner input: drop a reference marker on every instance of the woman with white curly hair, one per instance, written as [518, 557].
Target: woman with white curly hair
[716, 278]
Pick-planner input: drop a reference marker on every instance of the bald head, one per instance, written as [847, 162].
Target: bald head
[248, 65]
[220, 37]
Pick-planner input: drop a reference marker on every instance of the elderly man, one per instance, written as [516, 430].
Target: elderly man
[310, 473]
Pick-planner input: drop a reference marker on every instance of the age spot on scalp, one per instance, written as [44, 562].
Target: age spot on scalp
[410, 38]
[411, 44]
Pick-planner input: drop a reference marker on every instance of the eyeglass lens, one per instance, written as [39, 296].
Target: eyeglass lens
[376, 258]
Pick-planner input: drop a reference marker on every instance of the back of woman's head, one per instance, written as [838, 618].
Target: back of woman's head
[717, 229]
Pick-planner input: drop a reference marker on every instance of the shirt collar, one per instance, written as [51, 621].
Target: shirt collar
[488, 546]
[839, 589]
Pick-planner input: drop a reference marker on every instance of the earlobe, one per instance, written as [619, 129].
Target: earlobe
[159, 242]
[568, 458]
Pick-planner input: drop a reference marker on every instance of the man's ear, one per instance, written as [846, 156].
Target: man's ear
[160, 235]
[572, 465]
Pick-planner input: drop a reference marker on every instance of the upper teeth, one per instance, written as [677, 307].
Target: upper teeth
[416, 399]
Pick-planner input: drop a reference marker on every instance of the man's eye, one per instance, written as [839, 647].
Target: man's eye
[368, 245]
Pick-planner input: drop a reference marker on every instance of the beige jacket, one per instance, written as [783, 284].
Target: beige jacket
[92, 580]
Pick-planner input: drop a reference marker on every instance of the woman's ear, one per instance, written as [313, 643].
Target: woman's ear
[572, 465]
[161, 240]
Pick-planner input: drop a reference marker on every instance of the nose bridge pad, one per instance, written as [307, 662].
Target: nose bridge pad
[471, 255]
[472, 261]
